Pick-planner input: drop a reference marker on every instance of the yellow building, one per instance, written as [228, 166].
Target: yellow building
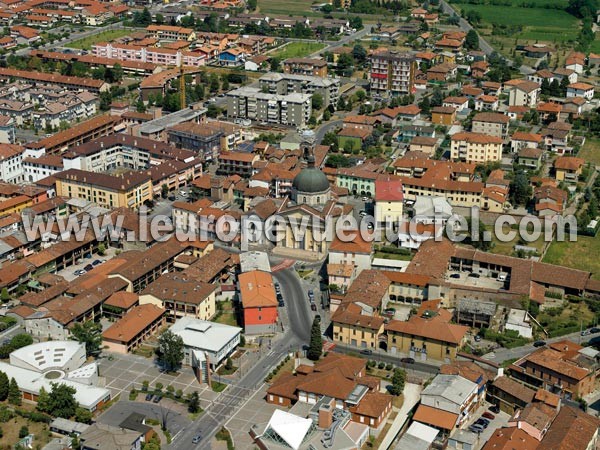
[568, 168]
[351, 327]
[15, 205]
[389, 201]
[426, 335]
[475, 147]
[129, 190]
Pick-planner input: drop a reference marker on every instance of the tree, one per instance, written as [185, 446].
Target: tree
[101, 249]
[21, 340]
[337, 4]
[398, 381]
[337, 160]
[159, 19]
[14, 393]
[4, 295]
[116, 73]
[43, 403]
[317, 101]
[251, 4]
[315, 348]
[164, 191]
[425, 105]
[105, 100]
[4, 386]
[359, 53]
[472, 40]
[194, 403]
[593, 207]
[90, 334]
[437, 98]
[61, 401]
[23, 432]
[229, 364]
[520, 189]
[83, 415]
[356, 22]
[170, 350]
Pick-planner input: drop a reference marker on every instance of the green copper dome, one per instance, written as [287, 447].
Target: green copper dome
[311, 180]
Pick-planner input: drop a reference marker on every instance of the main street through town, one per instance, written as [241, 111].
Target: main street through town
[295, 336]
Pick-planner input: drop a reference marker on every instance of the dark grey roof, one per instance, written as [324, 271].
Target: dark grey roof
[311, 180]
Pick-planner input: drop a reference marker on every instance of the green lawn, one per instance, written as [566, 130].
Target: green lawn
[595, 46]
[298, 50]
[287, 7]
[582, 254]
[105, 36]
[538, 24]
[591, 151]
[507, 248]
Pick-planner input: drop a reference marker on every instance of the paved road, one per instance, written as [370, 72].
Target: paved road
[326, 128]
[418, 366]
[229, 401]
[503, 354]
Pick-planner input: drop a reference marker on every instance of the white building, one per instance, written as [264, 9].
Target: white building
[453, 394]
[11, 163]
[584, 90]
[206, 344]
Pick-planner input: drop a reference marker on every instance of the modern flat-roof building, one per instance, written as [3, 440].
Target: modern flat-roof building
[251, 103]
[289, 83]
[206, 344]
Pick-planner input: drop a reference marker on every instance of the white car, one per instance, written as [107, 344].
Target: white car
[183, 193]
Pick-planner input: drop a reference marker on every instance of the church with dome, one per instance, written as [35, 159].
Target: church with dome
[311, 202]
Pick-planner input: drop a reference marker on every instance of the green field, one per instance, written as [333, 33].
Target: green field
[287, 7]
[595, 47]
[298, 50]
[538, 24]
[591, 151]
[582, 254]
[105, 36]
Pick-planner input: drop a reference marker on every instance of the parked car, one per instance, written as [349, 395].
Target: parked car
[455, 275]
[586, 332]
[183, 193]
[474, 275]
[88, 256]
[539, 343]
[88, 267]
[313, 306]
[172, 198]
[79, 272]
[157, 398]
[483, 422]
[196, 439]
[476, 428]
[595, 330]
[97, 262]
[366, 352]
[488, 415]
[311, 295]
[477, 338]
[365, 199]
[494, 409]
[408, 360]
[149, 397]
[362, 213]
[390, 311]
[277, 288]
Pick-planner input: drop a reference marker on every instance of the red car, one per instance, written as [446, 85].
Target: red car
[488, 415]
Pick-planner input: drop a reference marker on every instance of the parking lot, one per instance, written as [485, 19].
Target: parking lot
[69, 273]
[500, 420]
[474, 279]
[255, 411]
[122, 373]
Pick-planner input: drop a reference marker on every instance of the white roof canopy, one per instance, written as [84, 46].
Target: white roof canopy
[291, 428]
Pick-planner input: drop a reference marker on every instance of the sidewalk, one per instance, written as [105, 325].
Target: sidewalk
[412, 395]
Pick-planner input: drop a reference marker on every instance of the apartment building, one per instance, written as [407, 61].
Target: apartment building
[160, 56]
[475, 147]
[288, 83]
[171, 33]
[523, 93]
[129, 190]
[237, 163]
[207, 139]
[11, 163]
[34, 169]
[563, 368]
[305, 66]
[393, 73]
[251, 103]
[491, 123]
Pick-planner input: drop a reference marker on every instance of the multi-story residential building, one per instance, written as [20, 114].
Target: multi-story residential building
[11, 163]
[354, 251]
[564, 368]
[389, 202]
[259, 303]
[181, 296]
[523, 93]
[171, 33]
[305, 66]
[448, 402]
[568, 168]
[237, 163]
[584, 90]
[251, 103]
[520, 140]
[288, 83]
[392, 73]
[491, 123]
[133, 328]
[427, 334]
[358, 181]
[34, 169]
[475, 147]
[156, 55]
[129, 190]
[207, 139]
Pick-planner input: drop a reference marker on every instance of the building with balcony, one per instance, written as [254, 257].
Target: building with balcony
[393, 73]
[475, 147]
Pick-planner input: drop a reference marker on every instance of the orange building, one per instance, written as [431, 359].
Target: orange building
[259, 302]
